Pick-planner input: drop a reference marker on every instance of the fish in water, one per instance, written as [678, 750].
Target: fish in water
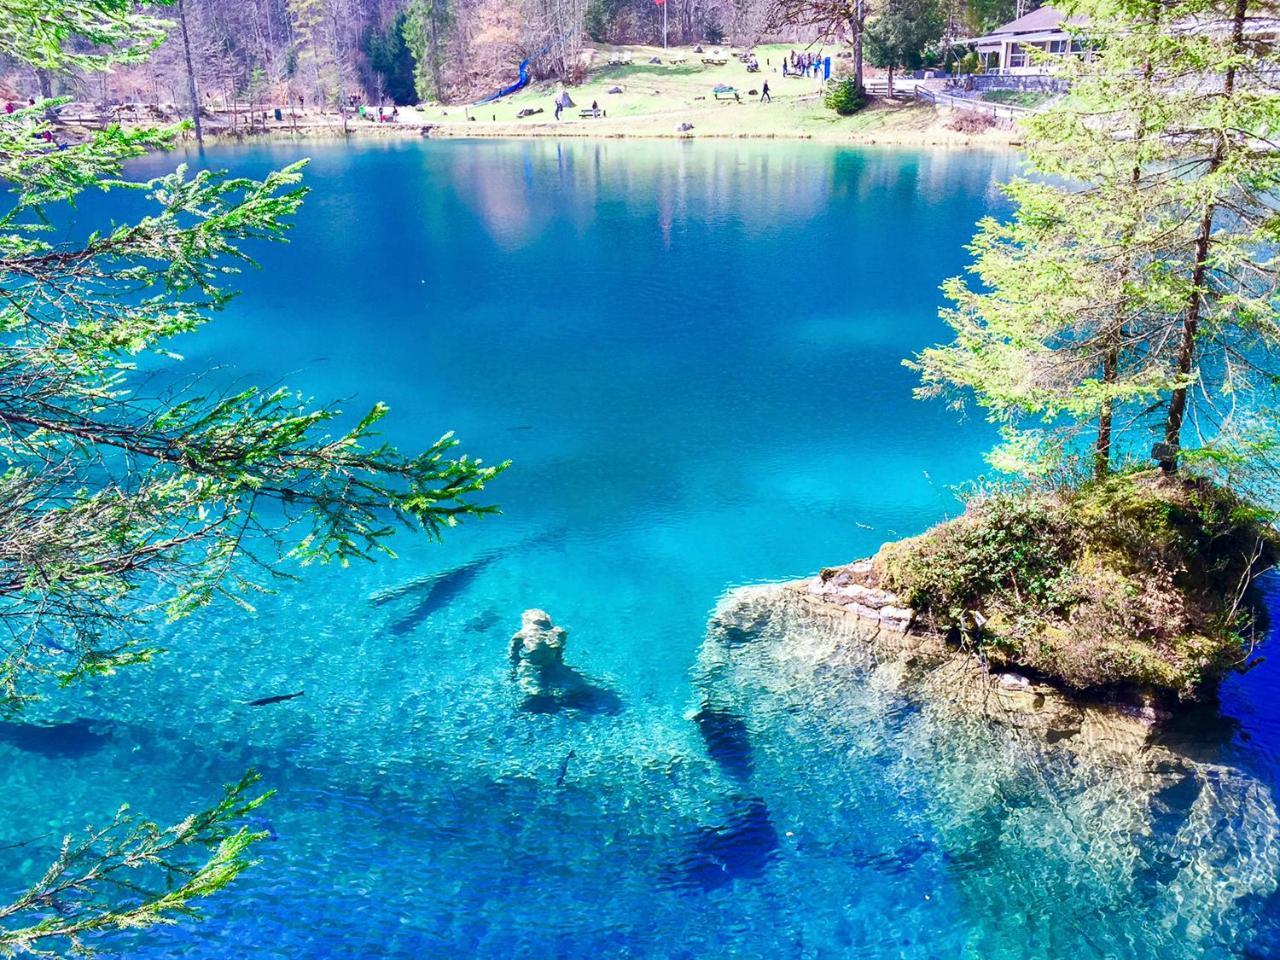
[742, 848]
[278, 698]
[72, 738]
[728, 742]
[564, 767]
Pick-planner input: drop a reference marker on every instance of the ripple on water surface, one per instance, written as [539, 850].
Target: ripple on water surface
[692, 354]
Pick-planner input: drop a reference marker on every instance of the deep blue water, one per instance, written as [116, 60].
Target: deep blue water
[692, 353]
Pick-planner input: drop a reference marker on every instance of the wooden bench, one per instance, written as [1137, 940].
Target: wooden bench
[588, 114]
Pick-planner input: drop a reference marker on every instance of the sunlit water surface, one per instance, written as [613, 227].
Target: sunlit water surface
[692, 353]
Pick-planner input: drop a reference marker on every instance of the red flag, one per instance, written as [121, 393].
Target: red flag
[659, 2]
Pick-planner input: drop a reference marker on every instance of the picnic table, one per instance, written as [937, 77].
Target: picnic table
[588, 114]
[678, 60]
[724, 92]
[714, 61]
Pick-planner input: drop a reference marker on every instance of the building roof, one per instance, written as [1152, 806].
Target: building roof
[1046, 18]
[1046, 23]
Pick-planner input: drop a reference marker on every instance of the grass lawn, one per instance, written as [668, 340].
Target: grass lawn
[657, 98]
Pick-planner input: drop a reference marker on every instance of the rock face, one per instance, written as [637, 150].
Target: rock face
[837, 621]
[843, 616]
[848, 587]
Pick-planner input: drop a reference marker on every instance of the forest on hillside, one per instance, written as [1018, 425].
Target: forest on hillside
[330, 52]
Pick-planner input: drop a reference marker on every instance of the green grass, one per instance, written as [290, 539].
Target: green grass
[656, 98]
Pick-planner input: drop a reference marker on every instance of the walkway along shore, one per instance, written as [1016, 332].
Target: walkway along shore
[888, 123]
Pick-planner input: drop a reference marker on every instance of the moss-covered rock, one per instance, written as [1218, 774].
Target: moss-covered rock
[1139, 580]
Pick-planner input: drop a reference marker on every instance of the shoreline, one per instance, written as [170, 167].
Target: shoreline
[914, 125]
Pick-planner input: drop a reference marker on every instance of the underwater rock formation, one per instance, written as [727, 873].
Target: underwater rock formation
[835, 615]
[538, 643]
[1008, 783]
[548, 683]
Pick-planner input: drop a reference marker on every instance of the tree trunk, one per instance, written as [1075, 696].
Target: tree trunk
[858, 18]
[1102, 448]
[193, 91]
[45, 81]
[433, 51]
[1111, 356]
[889, 84]
[1168, 455]
[336, 25]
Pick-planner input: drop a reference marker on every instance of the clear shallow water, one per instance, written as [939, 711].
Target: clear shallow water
[692, 354]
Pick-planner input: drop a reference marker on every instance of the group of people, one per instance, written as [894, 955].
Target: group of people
[45, 135]
[802, 65]
[382, 116]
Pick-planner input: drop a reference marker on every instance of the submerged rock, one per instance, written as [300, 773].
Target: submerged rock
[832, 619]
[538, 642]
[1015, 786]
[548, 683]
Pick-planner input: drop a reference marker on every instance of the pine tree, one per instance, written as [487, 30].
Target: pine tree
[110, 494]
[426, 27]
[1136, 279]
[901, 34]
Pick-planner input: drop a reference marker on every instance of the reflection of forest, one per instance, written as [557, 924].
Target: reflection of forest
[504, 184]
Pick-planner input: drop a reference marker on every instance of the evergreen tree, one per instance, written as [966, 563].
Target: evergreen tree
[425, 32]
[119, 506]
[902, 33]
[391, 60]
[1136, 280]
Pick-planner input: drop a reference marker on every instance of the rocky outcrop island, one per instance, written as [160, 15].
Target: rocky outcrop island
[1133, 596]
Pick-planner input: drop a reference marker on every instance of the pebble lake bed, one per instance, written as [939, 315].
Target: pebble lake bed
[691, 352]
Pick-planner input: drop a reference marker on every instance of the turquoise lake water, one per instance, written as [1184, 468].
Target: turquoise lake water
[692, 353]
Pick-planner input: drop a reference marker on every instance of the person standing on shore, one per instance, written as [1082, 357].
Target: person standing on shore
[764, 93]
